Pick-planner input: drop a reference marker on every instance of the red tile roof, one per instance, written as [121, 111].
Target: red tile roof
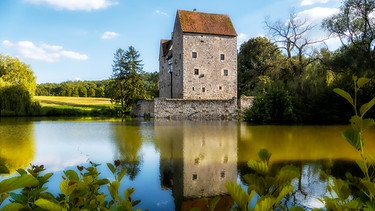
[205, 23]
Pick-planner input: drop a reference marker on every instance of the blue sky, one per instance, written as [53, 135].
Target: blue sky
[76, 39]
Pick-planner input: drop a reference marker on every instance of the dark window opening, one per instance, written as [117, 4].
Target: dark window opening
[222, 174]
[195, 176]
[196, 71]
[219, 87]
[203, 89]
[225, 73]
[194, 55]
[222, 56]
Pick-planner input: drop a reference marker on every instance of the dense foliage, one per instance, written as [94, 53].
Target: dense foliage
[80, 189]
[293, 81]
[17, 87]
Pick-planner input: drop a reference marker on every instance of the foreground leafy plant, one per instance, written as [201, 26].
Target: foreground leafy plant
[80, 190]
[267, 190]
[355, 193]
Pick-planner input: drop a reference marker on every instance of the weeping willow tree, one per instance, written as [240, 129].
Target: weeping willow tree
[17, 87]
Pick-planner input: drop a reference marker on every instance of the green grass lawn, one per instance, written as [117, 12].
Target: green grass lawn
[76, 106]
[73, 102]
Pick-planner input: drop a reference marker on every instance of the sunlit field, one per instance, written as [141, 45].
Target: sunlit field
[73, 102]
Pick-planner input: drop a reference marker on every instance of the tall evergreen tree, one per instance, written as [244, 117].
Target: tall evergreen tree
[127, 85]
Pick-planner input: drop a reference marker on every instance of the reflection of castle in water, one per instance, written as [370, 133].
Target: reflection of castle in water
[196, 161]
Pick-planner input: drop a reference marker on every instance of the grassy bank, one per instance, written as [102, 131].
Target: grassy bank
[76, 106]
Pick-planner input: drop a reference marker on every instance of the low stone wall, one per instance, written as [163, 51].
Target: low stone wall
[143, 107]
[192, 109]
[195, 109]
[245, 102]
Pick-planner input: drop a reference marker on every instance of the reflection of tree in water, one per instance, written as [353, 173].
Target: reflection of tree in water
[129, 142]
[17, 146]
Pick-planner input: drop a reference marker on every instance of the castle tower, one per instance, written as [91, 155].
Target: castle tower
[200, 61]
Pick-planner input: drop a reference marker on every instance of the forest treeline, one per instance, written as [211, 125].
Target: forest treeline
[98, 88]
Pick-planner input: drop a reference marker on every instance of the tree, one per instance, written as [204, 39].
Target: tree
[257, 57]
[15, 72]
[292, 38]
[354, 25]
[127, 85]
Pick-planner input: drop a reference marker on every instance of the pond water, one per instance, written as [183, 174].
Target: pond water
[172, 164]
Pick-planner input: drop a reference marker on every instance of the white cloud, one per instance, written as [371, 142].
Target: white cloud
[317, 14]
[311, 2]
[109, 35]
[86, 5]
[161, 13]
[241, 38]
[44, 52]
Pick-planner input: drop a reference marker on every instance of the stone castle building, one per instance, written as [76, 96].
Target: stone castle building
[197, 70]
[200, 61]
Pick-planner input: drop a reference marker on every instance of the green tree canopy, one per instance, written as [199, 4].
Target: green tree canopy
[127, 85]
[257, 57]
[15, 72]
[355, 26]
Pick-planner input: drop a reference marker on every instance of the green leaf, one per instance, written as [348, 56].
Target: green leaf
[214, 203]
[264, 155]
[111, 167]
[345, 95]
[67, 189]
[353, 137]
[128, 192]
[238, 195]
[71, 175]
[260, 167]
[12, 207]
[21, 171]
[285, 191]
[3, 169]
[362, 81]
[362, 165]
[47, 205]
[264, 203]
[370, 186]
[15, 183]
[367, 106]
[19, 198]
[295, 208]
[121, 174]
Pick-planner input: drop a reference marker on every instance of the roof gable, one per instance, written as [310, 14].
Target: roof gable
[205, 23]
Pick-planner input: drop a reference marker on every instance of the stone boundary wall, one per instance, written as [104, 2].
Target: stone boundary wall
[143, 107]
[245, 102]
[192, 109]
[195, 109]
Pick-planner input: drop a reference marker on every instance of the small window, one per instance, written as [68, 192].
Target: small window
[195, 177]
[222, 174]
[225, 73]
[179, 56]
[219, 87]
[222, 56]
[203, 89]
[193, 88]
[194, 55]
[196, 71]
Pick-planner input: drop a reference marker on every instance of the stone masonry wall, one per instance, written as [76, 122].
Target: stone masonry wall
[195, 109]
[143, 107]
